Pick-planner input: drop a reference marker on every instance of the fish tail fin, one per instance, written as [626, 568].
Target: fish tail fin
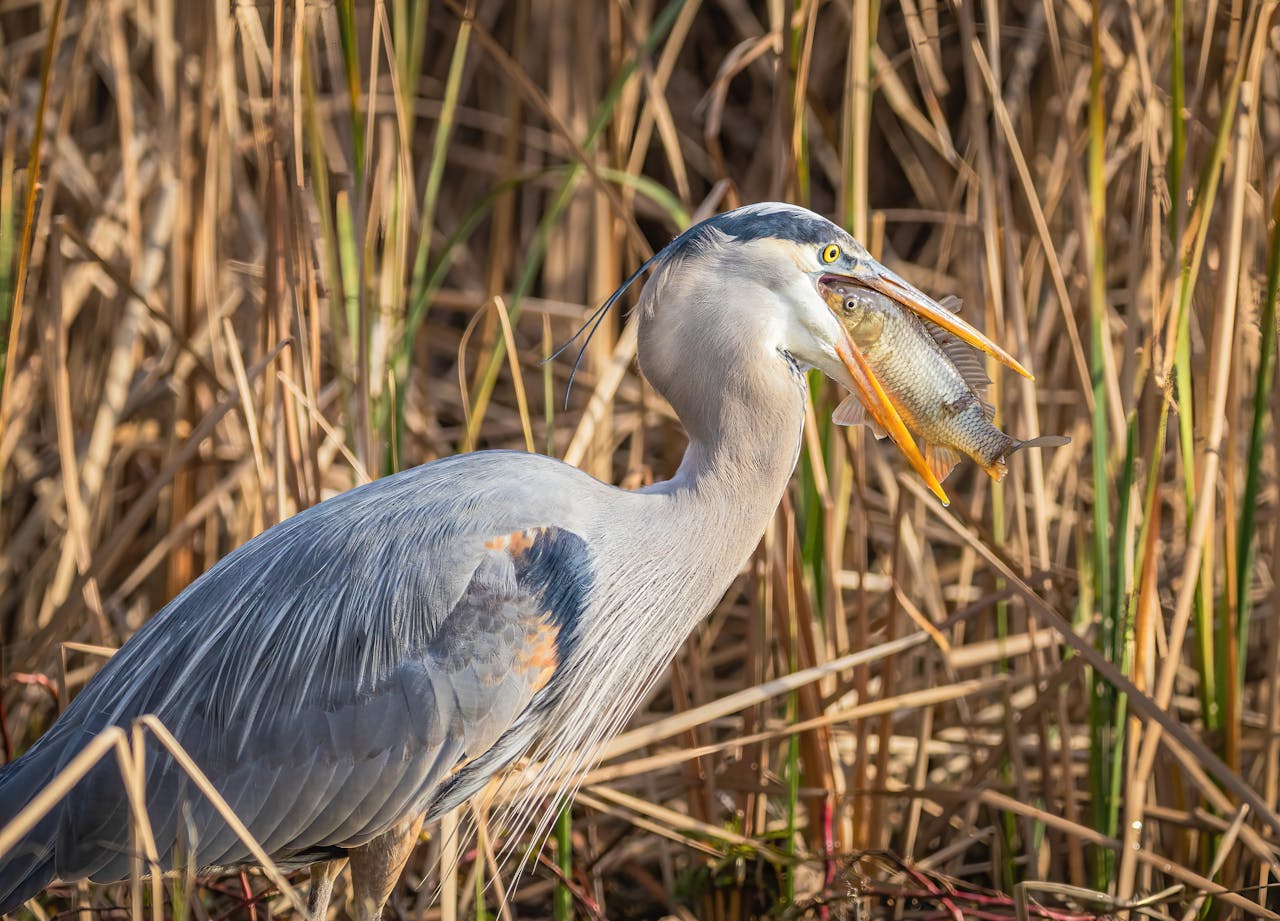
[1041, 441]
[941, 459]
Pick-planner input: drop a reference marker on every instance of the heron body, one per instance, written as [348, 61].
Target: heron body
[373, 661]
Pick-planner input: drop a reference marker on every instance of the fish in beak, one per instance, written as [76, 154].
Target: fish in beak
[868, 388]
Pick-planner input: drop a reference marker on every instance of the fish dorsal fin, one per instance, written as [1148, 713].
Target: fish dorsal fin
[941, 460]
[967, 360]
[852, 412]
[950, 302]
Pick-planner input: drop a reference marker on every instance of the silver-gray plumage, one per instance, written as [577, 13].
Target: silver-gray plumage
[381, 655]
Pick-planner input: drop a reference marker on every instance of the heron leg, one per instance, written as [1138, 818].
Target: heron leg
[376, 866]
[323, 876]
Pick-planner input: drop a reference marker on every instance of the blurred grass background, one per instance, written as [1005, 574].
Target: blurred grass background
[252, 254]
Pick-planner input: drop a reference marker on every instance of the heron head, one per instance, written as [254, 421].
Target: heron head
[748, 290]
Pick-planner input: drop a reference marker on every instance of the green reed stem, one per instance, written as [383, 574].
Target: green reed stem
[349, 40]
[1263, 384]
[1105, 733]
[1206, 194]
[563, 904]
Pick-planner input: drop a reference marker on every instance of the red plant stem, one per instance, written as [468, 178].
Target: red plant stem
[578, 893]
[977, 898]
[936, 892]
[828, 848]
[38, 680]
[248, 896]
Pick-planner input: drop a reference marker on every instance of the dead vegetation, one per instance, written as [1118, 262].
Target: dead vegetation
[271, 250]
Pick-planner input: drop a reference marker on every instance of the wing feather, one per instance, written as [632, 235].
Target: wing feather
[332, 677]
[273, 823]
[313, 792]
[248, 792]
[339, 823]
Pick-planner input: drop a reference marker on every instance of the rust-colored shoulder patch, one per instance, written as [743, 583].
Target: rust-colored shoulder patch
[539, 654]
[553, 576]
[517, 543]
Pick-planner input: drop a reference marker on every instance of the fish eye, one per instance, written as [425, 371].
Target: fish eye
[830, 253]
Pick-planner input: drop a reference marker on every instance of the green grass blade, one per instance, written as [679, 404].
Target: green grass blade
[14, 318]
[1177, 118]
[1263, 384]
[439, 158]
[409, 22]
[351, 61]
[1123, 637]
[1206, 195]
[1104, 732]
[563, 904]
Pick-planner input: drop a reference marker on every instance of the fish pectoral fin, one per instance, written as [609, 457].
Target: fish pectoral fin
[852, 412]
[941, 459]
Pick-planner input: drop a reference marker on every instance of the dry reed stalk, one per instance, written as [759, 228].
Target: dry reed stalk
[368, 180]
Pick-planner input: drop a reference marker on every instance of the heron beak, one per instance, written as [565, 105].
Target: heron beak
[879, 278]
[863, 382]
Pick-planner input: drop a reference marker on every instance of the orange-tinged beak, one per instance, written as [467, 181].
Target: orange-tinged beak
[926, 308]
[882, 410]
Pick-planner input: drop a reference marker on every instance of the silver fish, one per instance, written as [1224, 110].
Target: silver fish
[936, 382]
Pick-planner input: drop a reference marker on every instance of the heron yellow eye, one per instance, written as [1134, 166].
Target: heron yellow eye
[830, 253]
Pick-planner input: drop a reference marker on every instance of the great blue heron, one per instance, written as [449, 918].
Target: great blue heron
[371, 662]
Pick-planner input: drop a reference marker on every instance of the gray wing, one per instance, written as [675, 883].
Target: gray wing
[332, 677]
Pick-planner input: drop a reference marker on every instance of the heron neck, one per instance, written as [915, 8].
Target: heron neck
[741, 454]
[685, 542]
